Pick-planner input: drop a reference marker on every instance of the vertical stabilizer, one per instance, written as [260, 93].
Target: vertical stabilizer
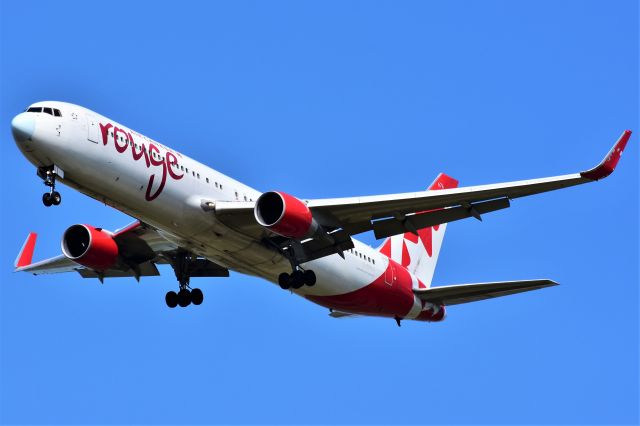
[419, 253]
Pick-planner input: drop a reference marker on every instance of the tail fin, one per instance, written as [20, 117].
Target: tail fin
[419, 253]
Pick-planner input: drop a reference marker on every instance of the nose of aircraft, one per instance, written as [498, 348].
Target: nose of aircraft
[23, 126]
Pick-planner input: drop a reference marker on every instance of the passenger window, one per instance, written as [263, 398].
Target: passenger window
[47, 111]
[207, 180]
[57, 113]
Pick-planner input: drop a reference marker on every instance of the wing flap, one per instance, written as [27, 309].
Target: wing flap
[146, 269]
[387, 227]
[465, 293]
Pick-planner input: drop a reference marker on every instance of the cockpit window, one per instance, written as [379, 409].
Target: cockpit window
[52, 111]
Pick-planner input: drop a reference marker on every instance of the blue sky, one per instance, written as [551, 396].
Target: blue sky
[327, 99]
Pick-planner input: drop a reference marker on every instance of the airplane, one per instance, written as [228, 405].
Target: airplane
[204, 224]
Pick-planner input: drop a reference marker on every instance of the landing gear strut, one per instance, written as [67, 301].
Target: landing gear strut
[297, 279]
[53, 197]
[185, 295]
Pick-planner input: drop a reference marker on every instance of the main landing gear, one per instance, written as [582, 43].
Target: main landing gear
[186, 295]
[297, 279]
[53, 197]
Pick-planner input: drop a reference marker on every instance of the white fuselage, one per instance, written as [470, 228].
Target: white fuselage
[108, 161]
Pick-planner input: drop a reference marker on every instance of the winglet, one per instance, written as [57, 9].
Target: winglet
[26, 253]
[608, 165]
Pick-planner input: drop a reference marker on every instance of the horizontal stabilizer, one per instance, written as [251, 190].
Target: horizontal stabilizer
[464, 293]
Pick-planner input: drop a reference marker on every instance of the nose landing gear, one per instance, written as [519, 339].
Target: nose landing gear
[53, 197]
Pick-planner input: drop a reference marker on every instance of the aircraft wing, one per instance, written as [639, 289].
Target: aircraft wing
[380, 212]
[140, 249]
[393, 214]
[465, 293]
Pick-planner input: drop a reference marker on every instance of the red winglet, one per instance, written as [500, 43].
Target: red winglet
[608, 165]
[26, 253]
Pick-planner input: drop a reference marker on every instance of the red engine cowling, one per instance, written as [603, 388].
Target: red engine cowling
[285, 215]
[90, 247]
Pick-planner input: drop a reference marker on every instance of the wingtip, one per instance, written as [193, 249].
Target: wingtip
[610, 161]
[25, 256]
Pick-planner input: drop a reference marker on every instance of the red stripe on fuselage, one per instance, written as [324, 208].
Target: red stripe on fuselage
[389, 295]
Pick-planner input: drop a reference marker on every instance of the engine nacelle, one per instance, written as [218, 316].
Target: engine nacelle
[285, 215]
[90, 247]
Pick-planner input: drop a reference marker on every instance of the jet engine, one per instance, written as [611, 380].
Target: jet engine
[285, 215]
[90, 247]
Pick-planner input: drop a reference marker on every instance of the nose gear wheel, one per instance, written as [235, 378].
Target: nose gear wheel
[53, 197]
